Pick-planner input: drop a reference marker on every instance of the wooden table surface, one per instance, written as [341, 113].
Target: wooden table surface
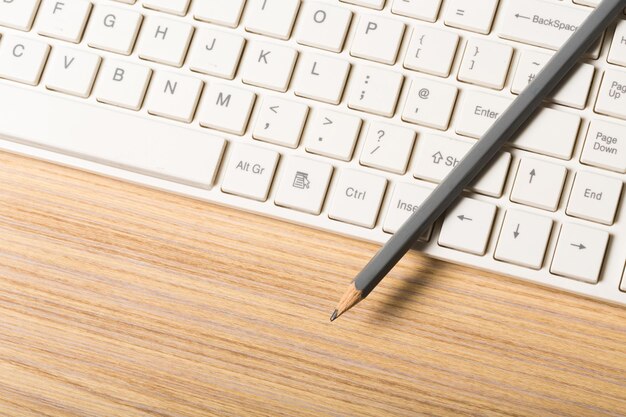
[116, 300]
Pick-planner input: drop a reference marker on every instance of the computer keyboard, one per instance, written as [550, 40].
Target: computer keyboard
[339, 115]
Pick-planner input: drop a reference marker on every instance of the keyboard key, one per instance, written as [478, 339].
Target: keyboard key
[551, 132]
[273, 18]
[617, 53]
[72, 71]
[303, 184]
[539, 184]
[541, 23]
[471, 14]
[523, 239]
[431, 51]
[592, 3]
[387, 147]
[372, 4]
[249, 171]
[332, 134]
[268, 65]
[429, 103]
[580, 253]
[594, 197]
[573, 92]
[427, 10]
[113, 29]
[323, 26]
[280, 122]
[22, 59]
[221, 12]
[226, 108]
[467, 226]
[612, 94]
[110, 137]
[357, 198]
[173, 96]
[405, 201]
[177, 7]
[436, 156]
[63, 20]
[321, 78]
[122, 84]
[485, 63]
[479, 110]
[605, 146]
[18, 14]
[377, 39]
[165, 41]
[216, 53]
[375, 91]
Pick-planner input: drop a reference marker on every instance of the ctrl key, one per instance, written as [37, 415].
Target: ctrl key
[357, 198]
[249, 171]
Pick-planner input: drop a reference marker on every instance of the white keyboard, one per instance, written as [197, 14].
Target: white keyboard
[339, 115]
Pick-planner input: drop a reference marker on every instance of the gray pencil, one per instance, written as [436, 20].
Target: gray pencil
[511, 120]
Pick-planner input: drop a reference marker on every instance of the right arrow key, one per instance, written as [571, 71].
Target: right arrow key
[580, 253]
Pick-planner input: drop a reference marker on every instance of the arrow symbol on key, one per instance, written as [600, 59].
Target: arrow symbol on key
[519, 16]
[275, 109]
[532, 175]
[516, 232]
[462, 217]
[580, 246]
[328, 121]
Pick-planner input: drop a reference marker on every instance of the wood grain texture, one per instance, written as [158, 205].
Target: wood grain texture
[117, 300]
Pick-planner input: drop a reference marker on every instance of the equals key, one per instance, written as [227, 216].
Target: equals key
[472, 15]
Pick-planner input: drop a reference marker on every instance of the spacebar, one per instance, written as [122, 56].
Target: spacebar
[112, 138]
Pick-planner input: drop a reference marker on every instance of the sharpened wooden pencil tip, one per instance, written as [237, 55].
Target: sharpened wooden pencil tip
[333, 316]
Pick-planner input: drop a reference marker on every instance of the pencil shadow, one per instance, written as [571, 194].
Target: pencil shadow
[409, 290]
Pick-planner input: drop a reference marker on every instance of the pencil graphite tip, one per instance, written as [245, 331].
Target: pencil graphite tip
[333, 316]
